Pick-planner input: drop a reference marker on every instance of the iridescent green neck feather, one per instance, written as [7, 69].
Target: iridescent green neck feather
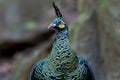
[61, 42]
[62, 59]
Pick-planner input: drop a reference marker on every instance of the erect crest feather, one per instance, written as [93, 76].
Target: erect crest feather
[57, 10]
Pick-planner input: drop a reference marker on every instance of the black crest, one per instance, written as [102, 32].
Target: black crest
[57, 10]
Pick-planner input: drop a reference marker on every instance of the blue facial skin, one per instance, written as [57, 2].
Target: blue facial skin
[56, 22]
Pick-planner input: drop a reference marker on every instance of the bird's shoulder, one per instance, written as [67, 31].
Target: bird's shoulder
[81, 60]
[40, 63]
[85, 68]
[37, 69]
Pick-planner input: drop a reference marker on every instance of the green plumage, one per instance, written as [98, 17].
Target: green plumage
[62, 63]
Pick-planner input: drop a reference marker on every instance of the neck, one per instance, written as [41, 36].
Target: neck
[62, 58]
[61, 42]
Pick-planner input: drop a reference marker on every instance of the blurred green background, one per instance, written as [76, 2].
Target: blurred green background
[94, 34]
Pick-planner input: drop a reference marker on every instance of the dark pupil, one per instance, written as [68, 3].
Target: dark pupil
[59, 22]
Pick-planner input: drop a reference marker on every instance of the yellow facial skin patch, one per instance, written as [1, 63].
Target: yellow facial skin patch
[61, 26]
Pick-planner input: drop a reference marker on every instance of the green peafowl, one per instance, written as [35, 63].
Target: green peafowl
[62, 63]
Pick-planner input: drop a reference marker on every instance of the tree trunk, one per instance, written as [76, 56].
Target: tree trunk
[109, 29]
[88, 44]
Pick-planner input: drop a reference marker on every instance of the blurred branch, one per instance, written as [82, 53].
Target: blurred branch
[11, 45]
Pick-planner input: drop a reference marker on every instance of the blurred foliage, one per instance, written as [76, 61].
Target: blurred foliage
[30, 25]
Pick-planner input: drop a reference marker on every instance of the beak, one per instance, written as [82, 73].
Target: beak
[51, 25]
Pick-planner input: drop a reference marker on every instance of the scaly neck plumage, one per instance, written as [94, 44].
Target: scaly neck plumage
[62, 58]
[61, 42]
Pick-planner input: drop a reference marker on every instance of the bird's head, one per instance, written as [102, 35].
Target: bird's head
[58, 24]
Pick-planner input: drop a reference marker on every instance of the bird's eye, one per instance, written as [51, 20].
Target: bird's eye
[59, 22]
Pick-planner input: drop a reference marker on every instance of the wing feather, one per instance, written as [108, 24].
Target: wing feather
[91, 75]
[37, 68]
